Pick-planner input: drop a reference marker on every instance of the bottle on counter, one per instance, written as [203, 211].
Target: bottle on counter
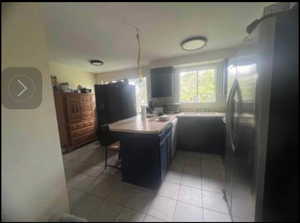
[143, 112]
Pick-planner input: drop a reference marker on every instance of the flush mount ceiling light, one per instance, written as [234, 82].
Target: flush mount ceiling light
[194, 43]
[96, 62]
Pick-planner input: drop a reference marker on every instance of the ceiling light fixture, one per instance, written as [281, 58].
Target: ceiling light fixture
[96, 62]
[194, 43]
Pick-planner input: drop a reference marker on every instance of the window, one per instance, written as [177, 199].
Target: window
[198, 86]
[140, 91]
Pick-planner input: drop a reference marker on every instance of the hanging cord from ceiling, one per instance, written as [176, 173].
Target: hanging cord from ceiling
[139, 54]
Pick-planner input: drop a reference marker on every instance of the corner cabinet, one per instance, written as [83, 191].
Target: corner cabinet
[146, 157]
[76, 118]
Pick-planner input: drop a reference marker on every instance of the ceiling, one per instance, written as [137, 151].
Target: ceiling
[78, 32]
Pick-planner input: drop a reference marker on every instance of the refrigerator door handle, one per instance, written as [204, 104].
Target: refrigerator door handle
[230, 114]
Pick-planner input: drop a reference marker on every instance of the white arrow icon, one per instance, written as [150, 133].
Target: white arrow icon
[24, 88]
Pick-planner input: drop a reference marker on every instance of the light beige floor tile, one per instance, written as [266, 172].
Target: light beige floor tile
[129, 215]
[192, 181]
[168, 189]
[190, 154]
[75, 196]
[120, 194]
[80, 168]
[132, 187]
[90, 184]
[187, 213]
[208, 156]
[212, 184]
[140, 201]
[177, 166]
[81, 182]
[214, 201]
[212, 216]
[178, 162]
[192, 176]
[102, 189]
[87, 207]
[194, 170]
[190, 195]
[193, 159]
[94, 171]
[212, 166]
[149, 218]
[162, 207]
[173, 176]
[107, 212]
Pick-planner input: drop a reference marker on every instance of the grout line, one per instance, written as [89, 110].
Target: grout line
[180, 184]
[219, 212]
[202, 200]
[174, 210]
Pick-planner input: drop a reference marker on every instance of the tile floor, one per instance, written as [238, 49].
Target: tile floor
[192, 190]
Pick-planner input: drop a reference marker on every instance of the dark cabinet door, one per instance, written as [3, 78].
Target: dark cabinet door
[161, 81]
[100, 103]
[128, 101]
[113, 103]
[196, 134]
[164, 156]
[165, 150]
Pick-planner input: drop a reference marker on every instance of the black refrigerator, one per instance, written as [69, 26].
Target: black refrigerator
[261, 159]
[114, 102]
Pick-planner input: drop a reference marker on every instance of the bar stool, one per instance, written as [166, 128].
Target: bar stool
[109, 143]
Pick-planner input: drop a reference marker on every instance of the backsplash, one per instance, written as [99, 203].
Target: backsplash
[199, 109]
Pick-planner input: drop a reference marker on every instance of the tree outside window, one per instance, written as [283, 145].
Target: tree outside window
[198, 86]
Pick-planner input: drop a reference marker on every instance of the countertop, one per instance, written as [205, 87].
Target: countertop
[201, 114]
[152, 125]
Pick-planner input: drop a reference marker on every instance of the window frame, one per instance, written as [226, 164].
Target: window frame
[219, 80]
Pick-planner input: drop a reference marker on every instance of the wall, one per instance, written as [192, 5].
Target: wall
[33, 179]
[117, 75]
[215, 56]
[73, 76]
[193, 59]
[196, 58]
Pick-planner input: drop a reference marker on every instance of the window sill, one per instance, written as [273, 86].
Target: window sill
[197, 103]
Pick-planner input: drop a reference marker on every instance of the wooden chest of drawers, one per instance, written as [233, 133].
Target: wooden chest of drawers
[76, 118]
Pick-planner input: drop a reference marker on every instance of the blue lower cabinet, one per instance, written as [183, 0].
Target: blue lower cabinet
[145, 157]
[165, 152]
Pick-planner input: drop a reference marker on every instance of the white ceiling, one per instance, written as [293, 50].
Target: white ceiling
[78, 32]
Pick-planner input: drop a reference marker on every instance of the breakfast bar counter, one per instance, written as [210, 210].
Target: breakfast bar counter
[153, 125]
[148, 146]
[136, 124]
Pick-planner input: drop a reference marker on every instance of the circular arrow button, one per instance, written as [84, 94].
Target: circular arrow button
[21, 88]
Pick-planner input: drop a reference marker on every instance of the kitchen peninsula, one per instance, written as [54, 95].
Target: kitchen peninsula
[148, 146]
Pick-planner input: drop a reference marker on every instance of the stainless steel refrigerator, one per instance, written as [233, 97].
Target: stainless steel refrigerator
[261, 159]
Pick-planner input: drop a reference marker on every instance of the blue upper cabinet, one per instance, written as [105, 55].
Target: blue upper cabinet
[162, 82]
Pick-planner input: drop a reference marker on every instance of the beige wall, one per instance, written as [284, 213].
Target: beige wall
[197, 58]
[215, 56]
[73, 76]
[33, 179]
[117, 75]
